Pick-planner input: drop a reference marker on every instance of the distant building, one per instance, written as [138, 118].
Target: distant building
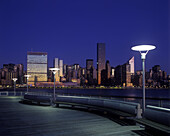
[118, 75]
[89, 71]
[61, 68]
[64, 69]
[100, 60]
[123, 73]
[59, 73]
[56, 65]
[68, 73]
[89, 64]
[37, 67]
[112, 75]
[108, 69]
[76, 67]
[131, 62]
[10, 71]
[126, 75]
[138, 79]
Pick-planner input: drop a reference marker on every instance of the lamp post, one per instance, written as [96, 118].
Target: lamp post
[14, 79]
[143, 49]
[27, 76]
[54, 70]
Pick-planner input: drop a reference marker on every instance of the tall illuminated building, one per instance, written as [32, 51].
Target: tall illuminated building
[37, 67]
[56, 65]
[108, 69]
[132, 67]
[100, 60]
[61, 68]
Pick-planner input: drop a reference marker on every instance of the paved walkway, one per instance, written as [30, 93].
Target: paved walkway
[18, 119]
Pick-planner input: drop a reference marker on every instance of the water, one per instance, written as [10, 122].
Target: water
[156, 97]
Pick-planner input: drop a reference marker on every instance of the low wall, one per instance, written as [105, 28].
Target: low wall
[158, 114]
[128, 107]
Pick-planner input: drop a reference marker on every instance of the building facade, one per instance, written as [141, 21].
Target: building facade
[37, 67]
[100, 60]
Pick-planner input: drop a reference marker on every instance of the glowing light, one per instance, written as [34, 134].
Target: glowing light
[54, 69]
[15, 79]
[143, 47]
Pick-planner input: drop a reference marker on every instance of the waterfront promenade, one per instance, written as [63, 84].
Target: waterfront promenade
[18, 119]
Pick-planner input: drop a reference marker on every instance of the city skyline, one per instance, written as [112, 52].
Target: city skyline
[75, 75]
[71, 30]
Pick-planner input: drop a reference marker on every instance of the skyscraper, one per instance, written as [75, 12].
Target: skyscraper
[37, 67]
[89, 71]
[56, 65]
[89, 64]
[100, 60]
[61, 68]
[108, 69]
[131, 63]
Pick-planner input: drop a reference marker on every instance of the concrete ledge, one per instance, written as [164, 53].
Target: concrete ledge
[128, 108]
[154, 125]
[158, 114]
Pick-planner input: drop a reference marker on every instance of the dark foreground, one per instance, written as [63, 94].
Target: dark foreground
[18, 119]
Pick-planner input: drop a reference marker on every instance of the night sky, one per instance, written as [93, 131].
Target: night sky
[71, 29]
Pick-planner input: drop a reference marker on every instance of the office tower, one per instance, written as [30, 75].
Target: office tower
[157, 73]
[68, 73]
[10, 71]
[56, 65]
[89, 71]
[126, 75]
[94, 74]
[37, 67]
[61, 68]
[108, 69]
[76, 67]
[83, 72]
[7, 73]
[164, 75]
[100, 60]
[131, 63]
[89, 64]
[118, 75]
[64, 69]
[112, 74]
[156, 68]
[20, 73]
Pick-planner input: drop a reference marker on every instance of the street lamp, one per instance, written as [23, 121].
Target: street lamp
[143, 49]
[54, 70]
[14, 79]
[27, 76]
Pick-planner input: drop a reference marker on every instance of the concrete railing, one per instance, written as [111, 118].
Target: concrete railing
[158, 114]
[128, 107]
[38, 98]
[7, 93]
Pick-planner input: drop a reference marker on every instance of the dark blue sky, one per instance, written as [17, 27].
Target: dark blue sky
[70, 30]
